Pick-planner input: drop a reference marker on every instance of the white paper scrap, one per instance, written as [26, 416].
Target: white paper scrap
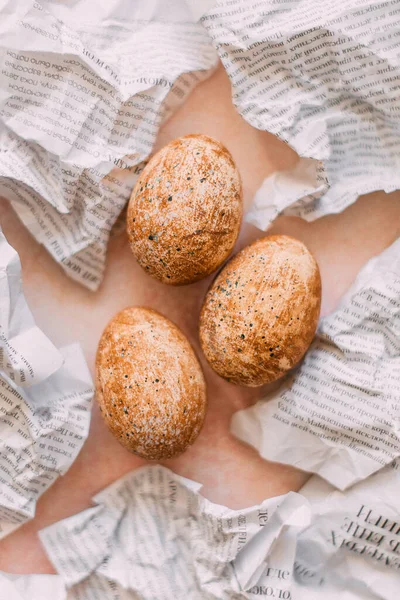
[152, 536]
[31, 587]
[26, 355]
[295, 188]
[338, 415]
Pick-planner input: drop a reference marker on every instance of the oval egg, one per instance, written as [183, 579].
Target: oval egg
[149, 384]
[261, 312]
[185, 211]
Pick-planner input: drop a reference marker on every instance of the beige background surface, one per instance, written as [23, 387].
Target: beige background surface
[231, 473]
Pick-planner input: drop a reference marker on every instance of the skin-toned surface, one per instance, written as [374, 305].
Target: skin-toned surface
[232, 473]
[149, 384]
[260, 314]
[185, 211]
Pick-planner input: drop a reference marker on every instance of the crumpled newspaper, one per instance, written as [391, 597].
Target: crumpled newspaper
[338, 415]
[45, 400]
[151, 535]
[84, 90]
[351, 549]
[323, 76]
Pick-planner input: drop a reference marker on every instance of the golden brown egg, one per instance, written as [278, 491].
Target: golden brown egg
[185, 211]
[261, 312]
[149, 384]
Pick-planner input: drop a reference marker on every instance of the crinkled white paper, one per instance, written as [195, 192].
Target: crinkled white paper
[151, 535]
[26, 355]
[338, 415]
[84, 89]
[325, 77]
[32, 587]
[295, 188]
[351, 549]
[45, 399]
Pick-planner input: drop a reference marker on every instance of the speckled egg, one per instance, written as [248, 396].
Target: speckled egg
[149, 384]
[185, 211]
[261, 312]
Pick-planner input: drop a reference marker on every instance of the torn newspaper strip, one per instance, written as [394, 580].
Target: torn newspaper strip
[325, 77]
[338, 414]
[84, 90]
[152, 535]
[45, 399]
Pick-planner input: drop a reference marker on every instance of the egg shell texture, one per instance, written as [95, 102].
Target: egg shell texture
[149, 384]
[185, 211]
[261, 312]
